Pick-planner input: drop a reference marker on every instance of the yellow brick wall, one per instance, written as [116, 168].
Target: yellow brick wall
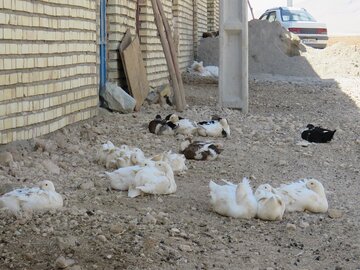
[121, 15]
[200, 23]
[213, 12]
[48, 71]
[183, 12]
[151, 47]
[201, 17]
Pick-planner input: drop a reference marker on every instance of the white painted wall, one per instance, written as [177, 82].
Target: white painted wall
[341, 16]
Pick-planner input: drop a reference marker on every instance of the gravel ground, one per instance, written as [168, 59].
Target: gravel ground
[103, 229]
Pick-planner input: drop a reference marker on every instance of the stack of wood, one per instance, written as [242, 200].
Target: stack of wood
[167, 42]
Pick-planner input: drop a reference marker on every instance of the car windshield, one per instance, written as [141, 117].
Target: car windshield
[296, 15]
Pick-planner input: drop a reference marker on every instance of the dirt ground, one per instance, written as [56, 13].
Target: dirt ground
[350, 40]
[103, 229]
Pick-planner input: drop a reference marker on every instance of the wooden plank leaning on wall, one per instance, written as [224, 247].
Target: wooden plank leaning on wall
[170, 54]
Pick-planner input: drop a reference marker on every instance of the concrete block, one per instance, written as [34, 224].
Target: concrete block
[20, 135]
[3, 18]
[31, 119]
[46, 103]
[8, 123]
[36, 105]
[31, 90]
[2, 110]
[19, 63]
[26, 106]
[7, 33]
[35, 77]
[13, 108]
[44, 130]
[10, 136]
[7, 63]
[19, 121]
[2, 49]
[5, 94]
[31, 133]
[41, 117]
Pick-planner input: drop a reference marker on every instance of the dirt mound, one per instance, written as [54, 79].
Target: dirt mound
[209, 51]
[271, 48]
[271, 36]
[274, 50]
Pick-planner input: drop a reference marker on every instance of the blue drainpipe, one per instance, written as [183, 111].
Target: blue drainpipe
[103, 40]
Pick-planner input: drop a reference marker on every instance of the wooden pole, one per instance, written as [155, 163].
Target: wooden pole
[251, 9]
[172, 51]
[160, 26]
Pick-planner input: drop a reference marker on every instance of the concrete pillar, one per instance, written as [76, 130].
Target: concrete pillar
[233, 67]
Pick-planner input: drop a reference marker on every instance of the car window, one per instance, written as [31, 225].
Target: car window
[263, 17]
[272, 16]
[296, 15]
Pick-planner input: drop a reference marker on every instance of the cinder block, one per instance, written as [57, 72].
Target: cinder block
[12, 49]
[46, 103]
[20, 135]
[67, 109]
[35, 77]
[30, 133]
[41, 117]
[8, 123]
[7, 63]
[10, 136]
[25, 106]
[3, 49]
[31, 90]
[3, 110]
[7, 94]
[44, 22]
[44, 48]
[19, 121]
[7, 33]
[36, 105]
[35, 21]
[13, 108]
[48, 10]
[51, 61]
[32, 119]
[19, 63]
[44, 130]
[4, 139]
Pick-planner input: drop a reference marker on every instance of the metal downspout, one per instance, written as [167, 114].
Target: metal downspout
[102, 43]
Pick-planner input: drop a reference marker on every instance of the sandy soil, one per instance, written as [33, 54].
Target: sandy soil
[350, 40]
[100, 229]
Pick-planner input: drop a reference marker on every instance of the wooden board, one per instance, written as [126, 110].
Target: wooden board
[134, 67]
[125, 42]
